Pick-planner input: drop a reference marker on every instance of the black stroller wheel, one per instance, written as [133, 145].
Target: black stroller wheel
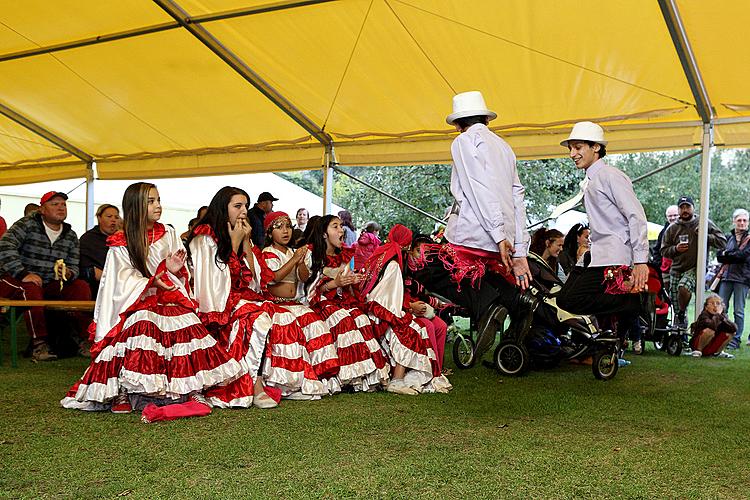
[511, 359]
[463, 352]
[605, 365]
[674, 345]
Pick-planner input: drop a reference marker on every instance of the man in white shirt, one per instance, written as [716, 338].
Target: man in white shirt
[486, 229]
[619, 233]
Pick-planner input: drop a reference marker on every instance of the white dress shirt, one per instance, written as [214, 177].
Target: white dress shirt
[488, 193]
[619, 232]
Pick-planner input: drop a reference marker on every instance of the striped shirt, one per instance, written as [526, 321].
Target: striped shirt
[25, 248]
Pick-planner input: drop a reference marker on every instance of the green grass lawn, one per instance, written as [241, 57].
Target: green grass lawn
[664, 427]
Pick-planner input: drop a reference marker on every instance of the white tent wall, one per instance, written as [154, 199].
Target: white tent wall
[180, 197]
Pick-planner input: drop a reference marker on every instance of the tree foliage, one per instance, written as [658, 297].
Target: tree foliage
[547, 182]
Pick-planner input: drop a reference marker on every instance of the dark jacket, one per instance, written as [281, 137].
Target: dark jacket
[685, 261]
[738, 261]
[26, 249]
[93, 250]
[256, 216]
[716, 322]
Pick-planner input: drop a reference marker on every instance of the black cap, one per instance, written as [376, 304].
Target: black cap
[266, 196]
[685, 199]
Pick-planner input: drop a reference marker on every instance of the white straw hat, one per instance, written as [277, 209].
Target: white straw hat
[585, 131]
[469, 104]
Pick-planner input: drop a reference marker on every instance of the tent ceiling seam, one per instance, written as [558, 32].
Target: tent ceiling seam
[241, 68]
[545, 54]
[155, 28]
[348, 63]
[419, 46]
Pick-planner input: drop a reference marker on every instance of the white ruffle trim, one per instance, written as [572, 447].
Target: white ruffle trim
[163, 323]
[157, 385]
[148, 343]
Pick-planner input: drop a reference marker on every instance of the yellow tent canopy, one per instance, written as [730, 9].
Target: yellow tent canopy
[199, 87]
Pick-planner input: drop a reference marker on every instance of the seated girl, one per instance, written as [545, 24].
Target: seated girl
[330, 292]
[415, 365]
[545, 248]
[423, 306]
[712, 331]
[290, 271]
[228, 284]
[148, 341]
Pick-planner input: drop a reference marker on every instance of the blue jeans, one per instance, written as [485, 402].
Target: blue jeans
[739, 291]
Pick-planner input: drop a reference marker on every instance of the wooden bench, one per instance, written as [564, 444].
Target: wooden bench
[11, 307]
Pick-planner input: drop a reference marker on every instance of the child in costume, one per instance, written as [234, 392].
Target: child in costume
[291, 268]
[331, 293]
[147, 339]
[415, 365]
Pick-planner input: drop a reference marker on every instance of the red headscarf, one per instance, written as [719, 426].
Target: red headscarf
[399, 239]
[272, 217]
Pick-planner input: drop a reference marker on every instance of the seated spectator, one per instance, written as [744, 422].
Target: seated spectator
[30, 209]
[350, 232]
[39, 260]
[93, 247]
[576, 244]
[366, 244]
[184, 236]
[546, 245]
[712, 331]
[298, 233]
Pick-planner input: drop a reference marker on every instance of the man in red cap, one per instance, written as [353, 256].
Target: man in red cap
[39, 260]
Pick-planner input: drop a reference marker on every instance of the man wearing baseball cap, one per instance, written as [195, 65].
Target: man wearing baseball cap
[680, 243]
[39, 260]
[257, 214]
[619, 233]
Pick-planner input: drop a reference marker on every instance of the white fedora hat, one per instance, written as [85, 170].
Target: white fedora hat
[469, 104]
[585, 131]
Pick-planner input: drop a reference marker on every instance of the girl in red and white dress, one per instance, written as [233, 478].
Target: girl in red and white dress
[415, 365]
[147, 339]
[291, 269]
[253, 328]
[229, 277]
[330, 292]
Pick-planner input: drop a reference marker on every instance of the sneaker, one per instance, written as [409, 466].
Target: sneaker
[42, 352]
[637, 347]
[200, 398]
[696, 354]
[121, 404]
[622, 362]
[725, 354]
[733, 346]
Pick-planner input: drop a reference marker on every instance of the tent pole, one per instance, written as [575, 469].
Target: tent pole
[90, 195]
[700, 269]
[328, 161]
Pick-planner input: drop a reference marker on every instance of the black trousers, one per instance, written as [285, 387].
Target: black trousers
[477, 299]
[583, 293]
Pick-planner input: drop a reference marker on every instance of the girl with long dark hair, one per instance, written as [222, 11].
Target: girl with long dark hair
[332, 293]
[148, 341]
[229, 280]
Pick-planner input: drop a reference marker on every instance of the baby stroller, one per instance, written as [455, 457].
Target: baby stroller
[661, 328]
[552, 336]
